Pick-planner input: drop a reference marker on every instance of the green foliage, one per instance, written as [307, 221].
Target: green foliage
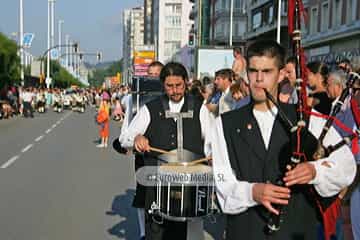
[61, 77]
[9, 62]
[98, 75]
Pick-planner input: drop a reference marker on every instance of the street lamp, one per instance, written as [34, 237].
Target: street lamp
[21, 42]
[50, 19]
[60, 38]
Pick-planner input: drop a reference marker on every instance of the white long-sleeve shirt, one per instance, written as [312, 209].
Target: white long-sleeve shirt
[236, 196]
[142, 119]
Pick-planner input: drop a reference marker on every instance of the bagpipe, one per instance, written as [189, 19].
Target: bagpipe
[301, 140]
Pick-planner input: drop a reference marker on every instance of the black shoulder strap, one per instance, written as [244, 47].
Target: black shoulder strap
[190, 102]
[165, 102]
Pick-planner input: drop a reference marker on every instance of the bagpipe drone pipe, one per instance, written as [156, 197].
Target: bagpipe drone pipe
[304, 146]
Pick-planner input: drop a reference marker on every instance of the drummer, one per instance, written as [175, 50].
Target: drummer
[150, 127]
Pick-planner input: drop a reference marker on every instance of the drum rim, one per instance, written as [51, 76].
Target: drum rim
[181, 219]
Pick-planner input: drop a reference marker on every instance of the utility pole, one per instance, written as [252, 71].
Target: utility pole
[278, 22]
[60, 37]
[52, 23]
[67, 51]
[48, 79]
[21, 43]
[231, 22]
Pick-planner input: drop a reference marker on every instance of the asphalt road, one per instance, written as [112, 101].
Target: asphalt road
[55, 184]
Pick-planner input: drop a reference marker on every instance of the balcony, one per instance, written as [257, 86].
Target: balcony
[332, 34]
[265, 28]
[257, 3]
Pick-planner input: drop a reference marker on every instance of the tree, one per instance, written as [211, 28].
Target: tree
[98, 76]
[9, 62]
[61, 77]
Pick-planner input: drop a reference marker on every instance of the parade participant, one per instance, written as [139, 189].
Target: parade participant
[250, 148]
[150, 127]
[317, 80]
[355, 195]
[336, 84]
[118, 113]
[27, 98]
[223, 81]
[103, 118]
[153, 71]
[240, 94]
[127, 105]
[287, 91]
[239, 64]
[345, 65]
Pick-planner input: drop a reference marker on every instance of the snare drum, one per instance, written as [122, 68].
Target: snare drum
[184, 192]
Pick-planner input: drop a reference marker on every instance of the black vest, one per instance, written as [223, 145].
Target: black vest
[162, 132]
[252, 162]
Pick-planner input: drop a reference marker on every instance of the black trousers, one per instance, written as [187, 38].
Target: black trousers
[28, 109]
[139, 198]
[167, 230]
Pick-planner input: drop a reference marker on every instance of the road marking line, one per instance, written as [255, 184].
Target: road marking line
[49, 130]
[39, 138]
[11, 161]
[27, 148]
[53, 126]
[58, 122]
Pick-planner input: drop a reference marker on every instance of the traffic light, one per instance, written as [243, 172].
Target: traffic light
[41, 78]
[98, 56]
[191, 39]
[76, 47]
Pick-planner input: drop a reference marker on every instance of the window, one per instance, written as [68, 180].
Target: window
[271, 15]
[313, 20]
[171, 47]
[172, 8]
[256, 20]
[324, 17]
[223, 4]
[236, 30]
[351, 11]
[172, 34]
[337, 10]
[237, 4]
[173, 21]
[284, 7]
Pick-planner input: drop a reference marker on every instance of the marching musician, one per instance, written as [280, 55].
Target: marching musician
[249, 146]
[153, 71]
[150, 128]
[336, 84]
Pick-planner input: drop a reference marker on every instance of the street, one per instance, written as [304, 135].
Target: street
[55, 184]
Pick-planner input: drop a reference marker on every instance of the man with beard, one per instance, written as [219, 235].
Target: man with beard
[251, 147]
[150, 127]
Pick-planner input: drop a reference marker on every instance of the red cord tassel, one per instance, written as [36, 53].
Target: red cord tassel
[355, 108]
[330, 216]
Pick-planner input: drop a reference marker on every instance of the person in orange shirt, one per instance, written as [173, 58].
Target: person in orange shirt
[103, 119]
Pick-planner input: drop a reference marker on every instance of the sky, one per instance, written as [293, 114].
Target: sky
[95, 24]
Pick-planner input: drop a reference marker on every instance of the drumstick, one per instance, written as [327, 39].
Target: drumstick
[161, 151]
[200, 160]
